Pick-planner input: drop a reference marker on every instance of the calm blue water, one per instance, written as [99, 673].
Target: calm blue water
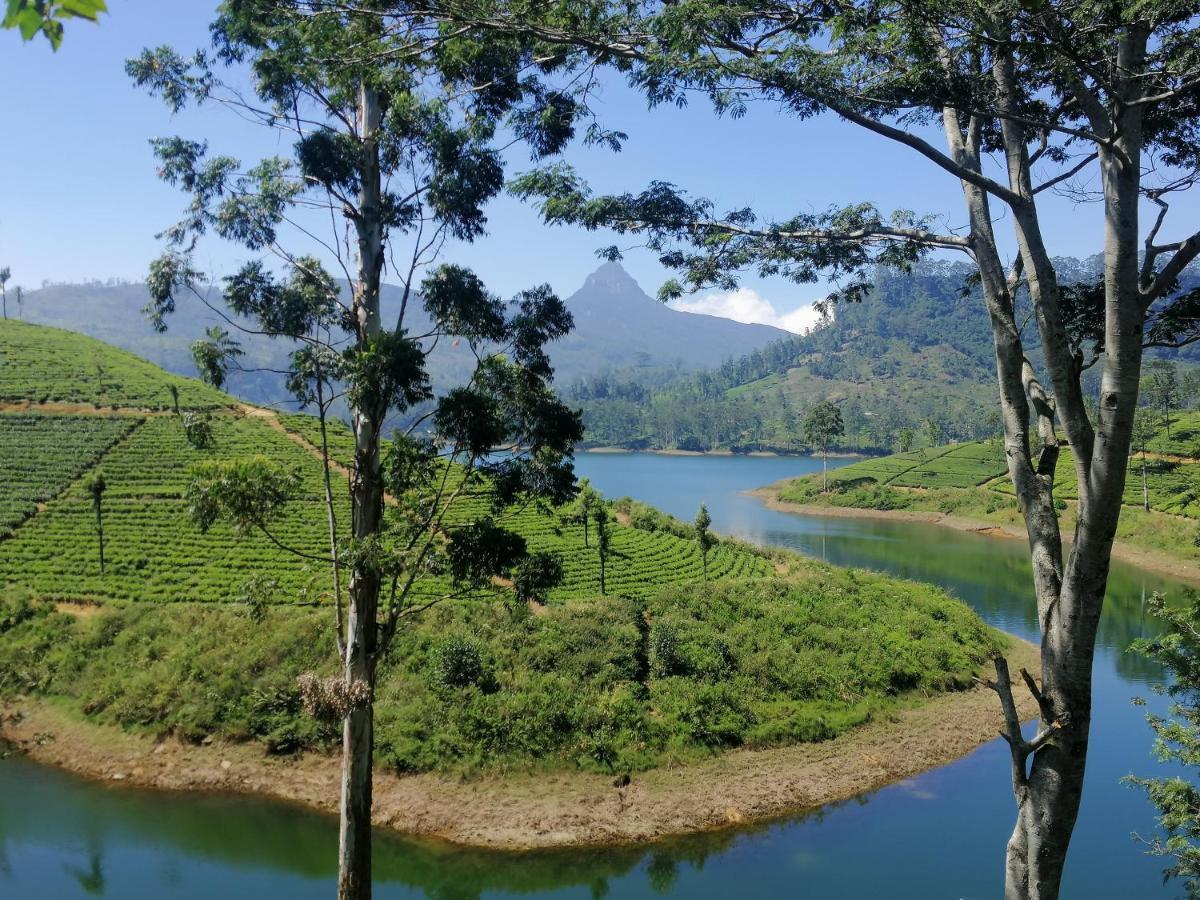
[939, 835]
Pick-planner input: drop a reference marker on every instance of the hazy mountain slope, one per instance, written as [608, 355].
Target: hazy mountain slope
[617, 325]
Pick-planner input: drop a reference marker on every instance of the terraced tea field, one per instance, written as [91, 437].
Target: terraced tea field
[156, 553]
[42, 365]
[953, 465]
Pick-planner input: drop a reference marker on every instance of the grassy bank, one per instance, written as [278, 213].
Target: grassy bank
[968, 482]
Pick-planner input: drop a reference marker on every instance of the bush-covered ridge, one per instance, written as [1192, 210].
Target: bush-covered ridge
[612, 684]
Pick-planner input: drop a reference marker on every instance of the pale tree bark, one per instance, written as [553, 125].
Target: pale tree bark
[366, 498]
[1048, 771]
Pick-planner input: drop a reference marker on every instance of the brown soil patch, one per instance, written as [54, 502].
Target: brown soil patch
[78, 409]
[567, 809]
[79, 609]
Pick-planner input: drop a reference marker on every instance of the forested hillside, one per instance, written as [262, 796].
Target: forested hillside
[915, 354]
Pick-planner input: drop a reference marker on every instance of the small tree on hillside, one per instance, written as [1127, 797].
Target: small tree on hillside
[822, 424]
[906, 439]
[535, 576]
[20, 301]
[579, 511]
[5, 274]
[600, 514]
[704, 537]
[95, 485]
[1161, 389]
[1140, 437]
[933, 432]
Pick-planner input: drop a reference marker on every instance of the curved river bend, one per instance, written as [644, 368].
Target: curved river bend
[939, 835]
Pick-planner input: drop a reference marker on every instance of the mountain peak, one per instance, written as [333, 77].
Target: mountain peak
[611, 277]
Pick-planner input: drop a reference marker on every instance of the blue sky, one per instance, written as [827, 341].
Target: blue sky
[79, 198]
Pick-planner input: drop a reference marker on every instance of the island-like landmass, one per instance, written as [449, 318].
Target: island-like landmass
[592, 714]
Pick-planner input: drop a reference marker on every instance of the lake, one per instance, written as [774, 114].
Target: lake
[939, 835]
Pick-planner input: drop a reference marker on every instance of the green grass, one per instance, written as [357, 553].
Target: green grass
[40, 455]
[39, 364]
[609, 684]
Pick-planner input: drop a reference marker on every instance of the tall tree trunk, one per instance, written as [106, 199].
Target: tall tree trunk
[1049, 790]
[366, 497]
[824, 471]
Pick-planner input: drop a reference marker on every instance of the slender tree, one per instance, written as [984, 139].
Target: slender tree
[1143, 432]
[906, 439]
[5, 274]
[704, 537]
[600, 514]
[1161, 390]
[392, 124]
[1097, 100]
[95, 485]
[20, 301]
[580, 510]
[821, 426]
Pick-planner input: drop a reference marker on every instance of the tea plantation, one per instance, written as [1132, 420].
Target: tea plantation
[773, 649]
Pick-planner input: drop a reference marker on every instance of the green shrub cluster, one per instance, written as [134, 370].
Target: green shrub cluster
[607, 684]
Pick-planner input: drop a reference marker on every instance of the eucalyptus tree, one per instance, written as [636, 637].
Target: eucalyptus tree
[1098, 100]
[1139, 439]
[603, 542]
[391, 130]
[5, 275]
[1162, 389]
[822, 424]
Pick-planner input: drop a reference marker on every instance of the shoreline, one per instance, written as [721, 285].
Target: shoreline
[1152, 560]
[781, 454]
[530, 811]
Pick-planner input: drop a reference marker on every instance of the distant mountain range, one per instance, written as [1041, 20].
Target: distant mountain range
[617, 327]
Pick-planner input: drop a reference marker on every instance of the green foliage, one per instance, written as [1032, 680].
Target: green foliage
[41, 455]
[46, 17]
[215, 354]
[1177, 739]
[248, 494]
[822, 424]
[198, 430]
[595, 683]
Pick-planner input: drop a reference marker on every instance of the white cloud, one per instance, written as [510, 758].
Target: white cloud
[745, 305]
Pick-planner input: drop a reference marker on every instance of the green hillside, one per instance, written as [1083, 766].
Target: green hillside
[46, 365]
[171, 638]
[971, 480]
[917, 350]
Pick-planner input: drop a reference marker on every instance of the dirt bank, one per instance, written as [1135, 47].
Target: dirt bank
[1151, 560]
[526, 811]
